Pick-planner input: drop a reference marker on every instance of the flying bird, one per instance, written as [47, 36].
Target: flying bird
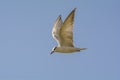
[62, 32]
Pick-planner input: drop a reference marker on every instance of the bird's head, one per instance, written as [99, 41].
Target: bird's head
[53, 50]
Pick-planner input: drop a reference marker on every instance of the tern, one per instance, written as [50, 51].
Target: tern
[62, 32]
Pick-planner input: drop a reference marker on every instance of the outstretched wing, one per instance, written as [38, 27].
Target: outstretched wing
[56, 28]
[66, 31]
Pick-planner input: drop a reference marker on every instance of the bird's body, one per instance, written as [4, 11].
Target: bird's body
[68, 49]
[63, 33]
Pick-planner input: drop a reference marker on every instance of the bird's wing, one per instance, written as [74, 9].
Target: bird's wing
[66, 31]
[56, 28]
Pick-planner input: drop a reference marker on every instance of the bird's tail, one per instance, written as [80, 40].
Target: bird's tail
[83, 48]
[79, 49]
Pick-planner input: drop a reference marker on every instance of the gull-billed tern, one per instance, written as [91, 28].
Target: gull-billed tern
[62, 32]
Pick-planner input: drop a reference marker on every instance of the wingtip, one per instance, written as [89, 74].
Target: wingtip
[58, 18]
[74, 9]
[60, 15]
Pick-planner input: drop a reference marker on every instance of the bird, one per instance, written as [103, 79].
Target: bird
[62, 32]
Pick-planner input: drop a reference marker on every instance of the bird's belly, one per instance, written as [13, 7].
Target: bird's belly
[68, 50]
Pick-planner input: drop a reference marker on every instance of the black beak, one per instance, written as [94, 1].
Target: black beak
[52, 52]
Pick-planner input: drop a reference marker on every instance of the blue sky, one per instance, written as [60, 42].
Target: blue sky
[26, 41]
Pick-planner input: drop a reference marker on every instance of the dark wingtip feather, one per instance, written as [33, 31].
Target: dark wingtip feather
[74, 9]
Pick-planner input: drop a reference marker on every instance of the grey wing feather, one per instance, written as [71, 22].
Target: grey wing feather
[66, 31]
[56, 28]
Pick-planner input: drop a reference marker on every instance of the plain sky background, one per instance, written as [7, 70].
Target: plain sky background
[26, 41]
